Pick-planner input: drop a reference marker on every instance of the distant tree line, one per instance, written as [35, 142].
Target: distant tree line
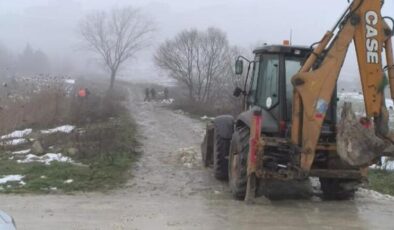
[29, 61]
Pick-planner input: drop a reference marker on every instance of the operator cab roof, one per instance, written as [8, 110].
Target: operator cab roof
[291, 50]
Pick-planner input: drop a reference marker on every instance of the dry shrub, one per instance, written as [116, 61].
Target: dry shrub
[44, 109]
[55, 105]
[96, 108]
[96, 140]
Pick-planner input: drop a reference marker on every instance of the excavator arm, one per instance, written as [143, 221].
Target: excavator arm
[314, 85]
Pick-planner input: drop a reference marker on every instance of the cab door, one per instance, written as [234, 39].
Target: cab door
[265, 91]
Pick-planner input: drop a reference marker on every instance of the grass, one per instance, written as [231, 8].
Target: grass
[104, 166]
[381, 181]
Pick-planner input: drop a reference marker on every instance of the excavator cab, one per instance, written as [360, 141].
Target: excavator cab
[271, 89]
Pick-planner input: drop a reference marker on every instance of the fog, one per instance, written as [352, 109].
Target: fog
[51, 26]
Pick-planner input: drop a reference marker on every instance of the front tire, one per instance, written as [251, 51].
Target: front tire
[237, 165]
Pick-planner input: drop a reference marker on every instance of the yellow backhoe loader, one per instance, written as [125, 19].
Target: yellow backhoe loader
[289, 128]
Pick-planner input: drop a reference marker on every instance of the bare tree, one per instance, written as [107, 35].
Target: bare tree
[196, 59]
[116, 36]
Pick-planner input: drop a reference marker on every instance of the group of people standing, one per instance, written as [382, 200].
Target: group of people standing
[150, 94]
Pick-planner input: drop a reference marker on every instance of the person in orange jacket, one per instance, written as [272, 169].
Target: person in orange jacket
[83, 93]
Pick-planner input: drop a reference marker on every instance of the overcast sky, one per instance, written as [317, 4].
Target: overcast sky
[51, 25]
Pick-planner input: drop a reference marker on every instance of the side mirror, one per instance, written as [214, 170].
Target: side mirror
[237, 92]
[239, 66]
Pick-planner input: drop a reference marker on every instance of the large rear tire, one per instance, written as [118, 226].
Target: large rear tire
[237, 165]
[338, 189]
[220, 156]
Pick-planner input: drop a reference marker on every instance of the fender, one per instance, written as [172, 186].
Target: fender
[270, 124]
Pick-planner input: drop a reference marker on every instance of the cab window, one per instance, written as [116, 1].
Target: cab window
[268, 84]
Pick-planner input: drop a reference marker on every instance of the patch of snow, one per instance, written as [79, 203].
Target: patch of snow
[205, 117]
[17, 134]
[167, 101]
[387, 164]
[375, 194]
[69, 181]
[389, 103]
[18, 141]
[21, 152]
[70, 81]
[350, 96]
[46, 159]
[360, 114]
[9, 178]
[62, 129]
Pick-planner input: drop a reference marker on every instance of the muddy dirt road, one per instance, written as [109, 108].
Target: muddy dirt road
[170, 190]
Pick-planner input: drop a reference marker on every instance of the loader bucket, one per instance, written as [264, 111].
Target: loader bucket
[356, 144]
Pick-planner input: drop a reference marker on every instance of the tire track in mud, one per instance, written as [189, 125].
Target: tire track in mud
[171, 160]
